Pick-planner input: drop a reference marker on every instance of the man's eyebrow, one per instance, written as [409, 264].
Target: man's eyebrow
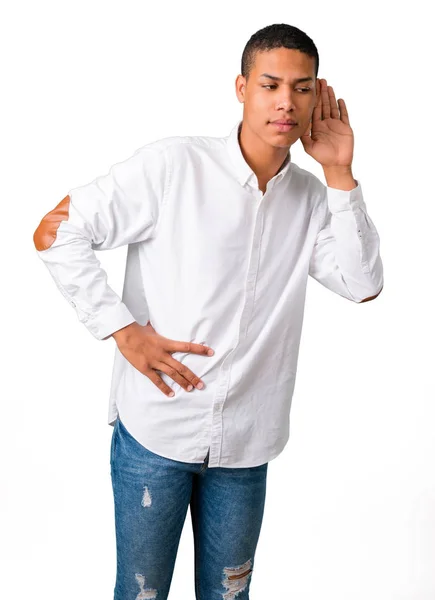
[275, 78]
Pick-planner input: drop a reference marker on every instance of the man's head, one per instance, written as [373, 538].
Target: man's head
[290, 57]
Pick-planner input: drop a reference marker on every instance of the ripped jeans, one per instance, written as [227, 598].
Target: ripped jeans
[151, 497]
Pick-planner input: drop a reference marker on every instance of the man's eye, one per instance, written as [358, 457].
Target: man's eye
[305, 90]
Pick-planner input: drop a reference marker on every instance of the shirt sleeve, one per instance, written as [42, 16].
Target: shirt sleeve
[118, 208]
[346, 255]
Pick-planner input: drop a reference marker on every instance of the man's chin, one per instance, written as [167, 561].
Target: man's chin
[283, 141]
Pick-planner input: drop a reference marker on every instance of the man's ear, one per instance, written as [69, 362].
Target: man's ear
[240, 85]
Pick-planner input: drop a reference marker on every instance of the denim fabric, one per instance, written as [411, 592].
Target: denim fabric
[151, 497]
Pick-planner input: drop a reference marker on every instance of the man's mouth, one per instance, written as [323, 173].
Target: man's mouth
[284, 124]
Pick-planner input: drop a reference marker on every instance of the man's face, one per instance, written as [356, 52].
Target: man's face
[266, 100]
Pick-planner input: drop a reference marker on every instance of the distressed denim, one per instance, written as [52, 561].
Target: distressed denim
[151, 497]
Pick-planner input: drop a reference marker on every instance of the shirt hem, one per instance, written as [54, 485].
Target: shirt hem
[114, 414]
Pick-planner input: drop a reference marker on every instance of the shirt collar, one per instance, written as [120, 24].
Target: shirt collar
[242, 169]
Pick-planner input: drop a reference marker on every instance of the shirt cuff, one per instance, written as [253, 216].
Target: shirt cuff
[339, 200]
[109, 320]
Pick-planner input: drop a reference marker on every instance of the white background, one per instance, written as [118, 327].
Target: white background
[350, 508]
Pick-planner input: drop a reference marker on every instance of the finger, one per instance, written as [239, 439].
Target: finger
[335, 113]
[343, 111]
[175, 346]
[158, 381]
[317, 112]
[179, 373]
[326, 109]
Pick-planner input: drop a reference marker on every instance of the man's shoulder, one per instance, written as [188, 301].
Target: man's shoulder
[306, 176]
[307, 183]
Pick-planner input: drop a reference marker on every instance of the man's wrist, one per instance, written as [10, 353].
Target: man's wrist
[340, 178]
[122, 334]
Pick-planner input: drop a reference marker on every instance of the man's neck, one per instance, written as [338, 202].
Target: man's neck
[265, 160]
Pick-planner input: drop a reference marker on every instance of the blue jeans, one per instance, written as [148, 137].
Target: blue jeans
[151, 497]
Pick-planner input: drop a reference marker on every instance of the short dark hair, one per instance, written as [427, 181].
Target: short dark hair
[277, 36]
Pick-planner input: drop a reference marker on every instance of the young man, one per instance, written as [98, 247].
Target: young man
[222, 234]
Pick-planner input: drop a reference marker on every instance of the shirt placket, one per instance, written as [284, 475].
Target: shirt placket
[224, 373]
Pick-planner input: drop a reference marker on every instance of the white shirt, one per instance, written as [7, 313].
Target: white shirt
[211, 260]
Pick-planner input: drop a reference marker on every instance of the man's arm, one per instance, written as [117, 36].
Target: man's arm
[115, 209]
[346, 255]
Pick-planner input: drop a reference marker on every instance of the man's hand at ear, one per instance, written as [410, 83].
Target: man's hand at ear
[329, 138]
